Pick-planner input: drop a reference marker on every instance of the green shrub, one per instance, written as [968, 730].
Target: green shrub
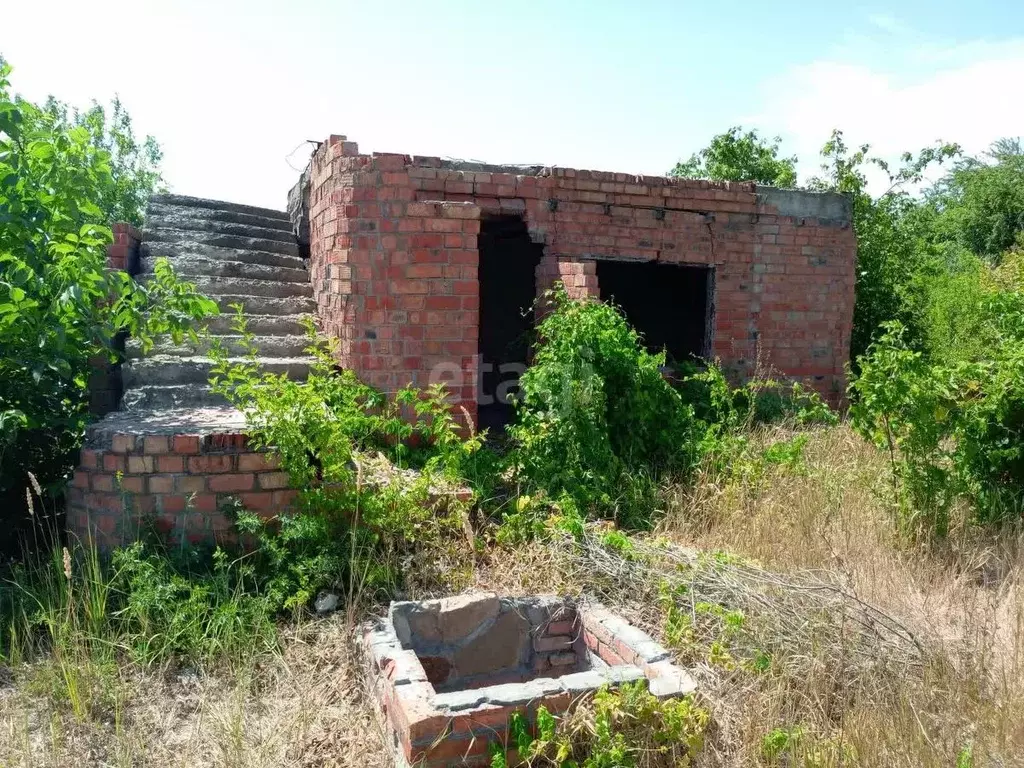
[952, 432]
[145, 603]
[796, 745]
[346, 448]
[200, 612]
[597, 422]
[599, 427]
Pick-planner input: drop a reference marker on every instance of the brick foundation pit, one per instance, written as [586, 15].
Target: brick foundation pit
[449, 673]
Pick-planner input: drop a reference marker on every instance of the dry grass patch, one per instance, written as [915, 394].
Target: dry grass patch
[961, 599]
[306, 707]
[878, 651]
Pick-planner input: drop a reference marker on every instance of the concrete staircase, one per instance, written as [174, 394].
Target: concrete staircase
[235, 254]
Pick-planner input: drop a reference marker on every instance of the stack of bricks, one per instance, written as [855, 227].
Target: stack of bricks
[178, 483]
[558, 645]
[383, 249]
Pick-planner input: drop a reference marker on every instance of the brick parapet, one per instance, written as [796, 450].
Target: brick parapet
[178, 483]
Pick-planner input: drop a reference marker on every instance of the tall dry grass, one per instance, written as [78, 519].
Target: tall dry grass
[304, 707]
[962, 599]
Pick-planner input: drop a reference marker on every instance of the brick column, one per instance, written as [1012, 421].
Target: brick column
[126, 240]
[104, 376]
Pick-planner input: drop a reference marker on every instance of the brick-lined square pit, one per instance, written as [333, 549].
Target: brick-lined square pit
[449, 673]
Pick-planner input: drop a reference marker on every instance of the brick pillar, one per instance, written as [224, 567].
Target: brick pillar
[126, 241]
[105, 377]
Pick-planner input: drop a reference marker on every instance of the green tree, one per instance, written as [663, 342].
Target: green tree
[738, 156]
[59, 305]
[134, 164]
[894, 261]
[979, 206]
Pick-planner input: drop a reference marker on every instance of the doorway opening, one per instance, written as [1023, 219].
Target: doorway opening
[508, 288]
[668, 304]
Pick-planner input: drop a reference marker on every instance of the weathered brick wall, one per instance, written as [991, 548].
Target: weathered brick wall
[783, 261]
[177, 483]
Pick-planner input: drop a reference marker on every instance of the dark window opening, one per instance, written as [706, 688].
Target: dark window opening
[508, 265]
[668, 304]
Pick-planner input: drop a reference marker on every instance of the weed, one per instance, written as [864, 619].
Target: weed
[618, 728]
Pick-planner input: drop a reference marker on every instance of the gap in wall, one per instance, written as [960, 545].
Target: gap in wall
[669, 304]
[508, 289]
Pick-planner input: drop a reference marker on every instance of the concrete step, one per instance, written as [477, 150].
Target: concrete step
[173, 251]
[188, 266]
[172, 369]
[176, 221]
[201, 419]
[185, 201]
[214, 286]
[159, 397]
[261, 325]
[269, 346]
[265, 305]
[211, 214]
[184, 236]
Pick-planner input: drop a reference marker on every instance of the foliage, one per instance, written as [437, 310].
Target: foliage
[599, 427]
[619, 728]
[134, 164]
[86, 613]
[535, 516]
[980, 204]
[346, 448]
[891, 254]
[731, 416]
[952, 431]
[738, 156]
[597, 422]
[199, 611]
[59, 306]
[796, 745]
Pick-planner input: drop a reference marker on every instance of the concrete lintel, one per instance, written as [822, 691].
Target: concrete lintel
[799, 203]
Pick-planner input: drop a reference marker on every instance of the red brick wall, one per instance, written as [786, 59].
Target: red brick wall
[394, 278]
[178, 483]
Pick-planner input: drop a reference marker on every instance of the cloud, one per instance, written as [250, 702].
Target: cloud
[885, 22]
[899, 101]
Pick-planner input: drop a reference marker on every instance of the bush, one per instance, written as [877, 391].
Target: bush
[599, 427]
[145, 604]
[199, 610]
[953, 432]
[59, 306]
[347, 448]
[597, 421]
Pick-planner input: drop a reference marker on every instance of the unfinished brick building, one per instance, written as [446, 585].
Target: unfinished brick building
[425, 270]
[423, 267]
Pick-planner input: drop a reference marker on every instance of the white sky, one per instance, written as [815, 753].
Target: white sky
[231, 88]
